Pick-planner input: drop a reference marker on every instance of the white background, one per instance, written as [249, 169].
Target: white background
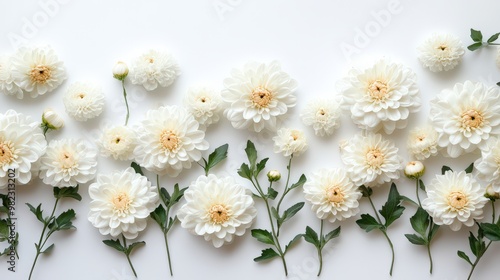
[306, 37]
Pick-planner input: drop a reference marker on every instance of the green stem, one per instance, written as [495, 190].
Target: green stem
[430, 256]
[168, 253]
[493, 210]
[384, 231]
[45, 129]
[126, 102]
[416, 191]
[128, 255]
[320, 249]
[375, 210]
[477, 261]
[286, 190]
[165, 230]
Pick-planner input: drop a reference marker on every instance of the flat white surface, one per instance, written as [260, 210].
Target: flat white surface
[306, 37]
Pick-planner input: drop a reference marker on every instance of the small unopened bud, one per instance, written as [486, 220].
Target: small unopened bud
[414, 169]
[52, 120]
[490, 193]
[273, 175]
[120, 71]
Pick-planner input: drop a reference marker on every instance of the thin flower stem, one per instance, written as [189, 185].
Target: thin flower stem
[320, 249]
[166, 230]
[493, 210]
[168, 253]
[126, 102]
[45, 129]
[128, 256]
[383, 230]
[289, 167]
[375, 210]
[416, 191]
[430, 256]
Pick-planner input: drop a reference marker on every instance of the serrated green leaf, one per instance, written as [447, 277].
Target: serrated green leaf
[137, 168]
[115, 244]
[444, 169]
[469, 168]
[311, 237]
[244, 171]
[392, 209]
[71, 192]
[216, 156]
[366, 191]
[476, 35]
[290, 212]
[420, 221]
[263, 236]
[475, 46]
[37, 211]
[260, 166]
[251, 153]
[331, 235]
[491, 231]
[421, 185]
[292, 242]
[368, 223]
[476, 245]
[132, 246]
[266, 255]
[159, 215]
[493, 38]
[414, 239]
[464, 256]
[271, 193]
[302, 180]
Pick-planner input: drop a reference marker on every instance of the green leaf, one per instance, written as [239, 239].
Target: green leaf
[475, 46]
[491, 231]
[498, 84]
[295, 239]
[407, 199]
[132, 246]
[271, 193]
[331, 235]
[63, 221]
[368, 223]
[176, 195]
[302, 180]
[159, 215]
[444, 169]
[165, 196]
[476, 245]
[493, 38]
[392, 209]
[251, 153]
[366, 191]
[469, 168]
[263, 236]
[421, 184]
[275, 213]
[71, 192]
[260, 166]
[217, 156]
[37, 211]
[114, 244]
[433, 232]
[4, 230]
[312, 237]
[245, 172]
[414, 239]
[266, 255]
[48, 249]
[464, 256]
[420, 221]
[137, 168]
[476, 35]
[290, 212]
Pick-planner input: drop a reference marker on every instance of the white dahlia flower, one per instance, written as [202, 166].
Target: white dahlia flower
[380, 97]
[323, 115]
[121, 203]
[154, 68]
[217, 209]
[68, 162]
[169, 140]
[205, 104]
[290, 141]
[84, 101]
[258, 96]
[118, 142]
[21, 144]
[37, 70]
[488, 165]
[441, 52]
[332, 194]
[454, 199]
[7, 84]
[422, 142]
[465, 117]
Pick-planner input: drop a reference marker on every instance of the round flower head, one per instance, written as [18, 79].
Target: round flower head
[422, 142]
[414, 169]
[84, 101]
[121, 203]
[371, 160]
[380, 97]
[7, 84]
[37, 70]
[332, 194]
[120, 71]
[68, 162]
[152, 68]
[118, 142]
[217, 209]
[204, 104]
[323, 115]
[465, 117]
[52, 120]
[488, 165]
[441, 52]
[21, 144]
[454, 199]
[169, 140]
[290, 141]
[258, 96]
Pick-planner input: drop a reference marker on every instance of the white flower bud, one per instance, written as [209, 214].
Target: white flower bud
[414, 169]
[52, 120]
[120, 71]
[490, 193]
[273, 175]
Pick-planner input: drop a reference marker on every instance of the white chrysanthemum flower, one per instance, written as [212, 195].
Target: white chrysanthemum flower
[371, 160]
[21, 144]
[441, 52]
[454, 199]
[169, 140]
[488, 165]
[217, 209]
[332, 194]
[68, 162]
[258, 96]
[422, 142]
[152, 68]
[323, 115]
[7, 84]
[37, 70]
[290, 141]
[52, 120]
[205, 104]
[465, 117]
[118, 142]
[121, 203]
[382, 96]
[84, 101]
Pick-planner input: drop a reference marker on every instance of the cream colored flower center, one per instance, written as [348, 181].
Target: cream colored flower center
[443, 47]
[471, 119]
[203, 99]
[321, 112]
[6, 152]
[457, 200]
[81, 95]
[421, 138]
[169, 140]
[295, 135]
[40, 74]
[117, 140]
[261, 97]
[121, 202]
[377, 90]
[375, 158]
[67, 160]
[218, 214]
[150, 60]
[335, 194]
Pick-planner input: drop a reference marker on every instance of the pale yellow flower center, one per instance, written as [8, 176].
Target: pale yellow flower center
[218, 214]
[335, 194]
[442, 47]
[40, 74]
[261, 97]
[377, 90]
[203, 99]
[121, 202]
[375, 158]
[67, 160]
[150, 60]
[295, 135]
[321, 112]
[6, 152]
[81, 95]
[472, 119]
[457, 200]
[169, 140]
[117, 140]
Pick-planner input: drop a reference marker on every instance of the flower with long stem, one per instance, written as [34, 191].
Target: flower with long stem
[120, 72]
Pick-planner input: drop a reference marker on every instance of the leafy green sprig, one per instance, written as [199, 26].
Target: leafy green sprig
[124, 248]
[51, 223]
[319, 241]
[5, 227]
[477, 37]
[251, 172]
